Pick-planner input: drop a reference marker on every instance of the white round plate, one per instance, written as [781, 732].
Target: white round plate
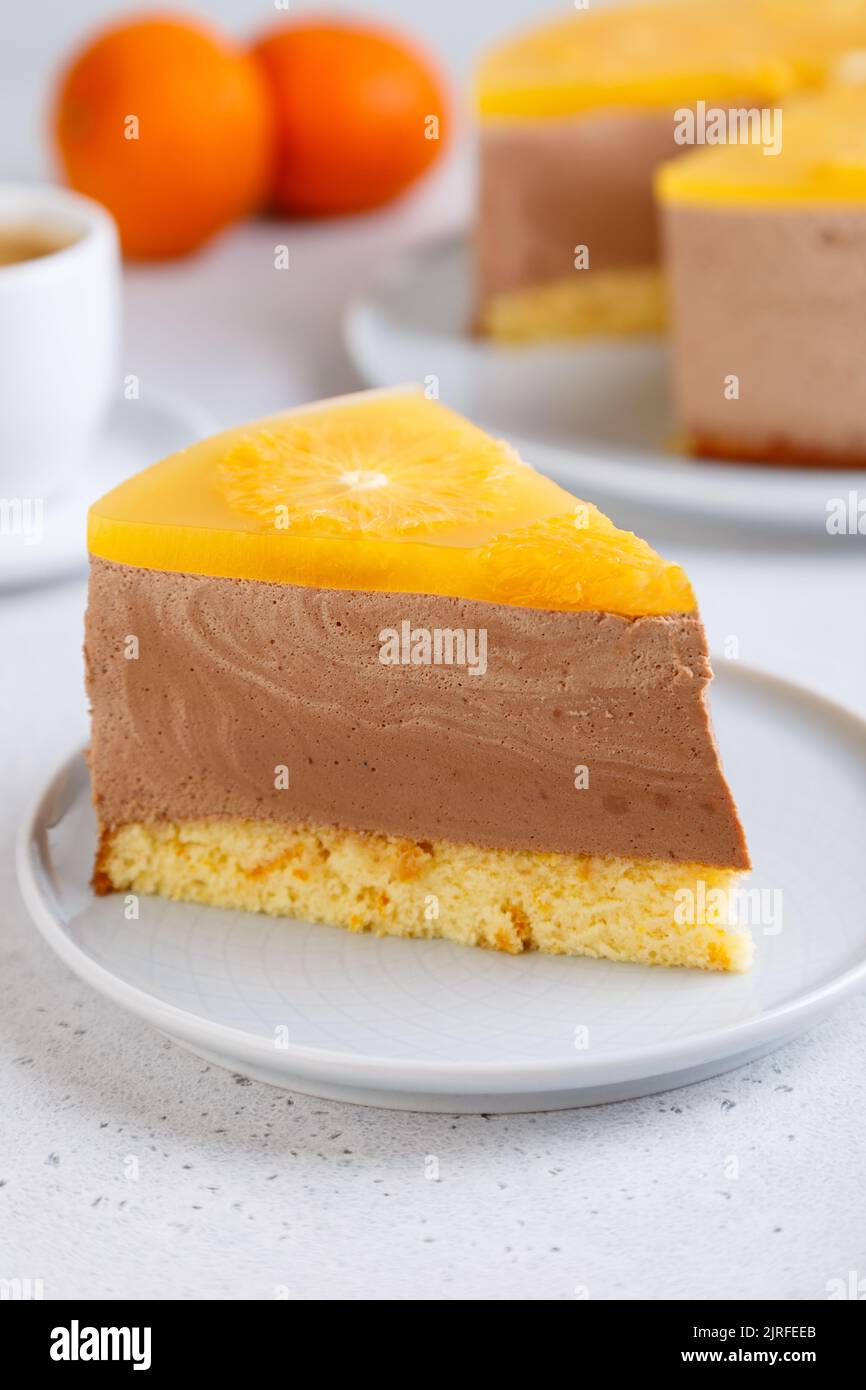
[53, 543]
[597, 416]
[426, 1025]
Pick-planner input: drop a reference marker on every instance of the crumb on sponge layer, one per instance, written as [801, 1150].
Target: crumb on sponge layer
[512, 901]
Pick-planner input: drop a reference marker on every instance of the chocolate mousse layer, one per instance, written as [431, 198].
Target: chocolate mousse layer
[768, 331]
[549, 185]
[546, 186]
[568, 732]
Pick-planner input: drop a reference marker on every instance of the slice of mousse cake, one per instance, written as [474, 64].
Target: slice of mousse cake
[359, 664]
[576, 114]
[767, 271]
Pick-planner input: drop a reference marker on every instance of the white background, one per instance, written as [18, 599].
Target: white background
[243, 1189]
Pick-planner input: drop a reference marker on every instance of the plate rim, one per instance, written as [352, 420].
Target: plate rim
[568, 463]
[783, 1021]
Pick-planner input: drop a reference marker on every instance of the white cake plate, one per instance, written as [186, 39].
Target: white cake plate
[432, 1026]
[596, 415]
[137, 433]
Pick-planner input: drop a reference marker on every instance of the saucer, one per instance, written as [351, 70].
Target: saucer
[45, 539]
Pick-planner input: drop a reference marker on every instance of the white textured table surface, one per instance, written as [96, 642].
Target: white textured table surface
[239, 1191]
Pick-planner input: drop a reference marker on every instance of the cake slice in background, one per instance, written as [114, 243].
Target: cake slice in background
[360, 664]
[766, 259]
[576, 115]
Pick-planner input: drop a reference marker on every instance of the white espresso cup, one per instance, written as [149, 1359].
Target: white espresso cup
[59, 332]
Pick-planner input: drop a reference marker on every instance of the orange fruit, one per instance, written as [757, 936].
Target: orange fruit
[582, 561]
[168, 124]
[360, 114]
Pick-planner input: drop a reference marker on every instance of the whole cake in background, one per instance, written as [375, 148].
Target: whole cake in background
[360, 664]
[576, 116]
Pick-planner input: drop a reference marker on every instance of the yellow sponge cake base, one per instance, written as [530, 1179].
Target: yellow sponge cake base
[513, 901]
[600, 302]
